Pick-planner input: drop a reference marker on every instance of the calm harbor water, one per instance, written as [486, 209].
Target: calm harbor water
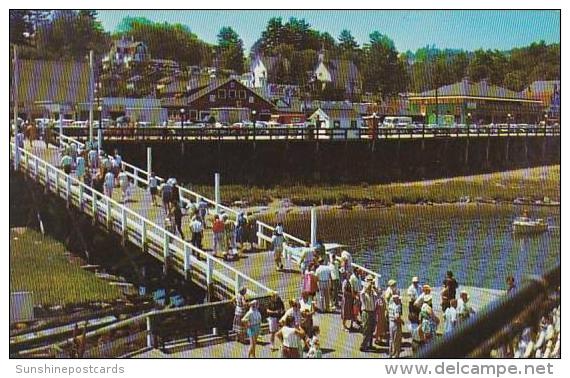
[475, 242]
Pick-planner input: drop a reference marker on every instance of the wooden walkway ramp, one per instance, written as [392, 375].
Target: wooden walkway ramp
[141, 223]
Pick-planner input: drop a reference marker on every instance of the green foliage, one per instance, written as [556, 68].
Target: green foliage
[230, 50]
[383, 71]
[38, 264]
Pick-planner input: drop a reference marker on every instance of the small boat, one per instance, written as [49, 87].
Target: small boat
[526, 225]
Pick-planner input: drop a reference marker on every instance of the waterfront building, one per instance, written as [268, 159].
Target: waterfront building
[467, 102]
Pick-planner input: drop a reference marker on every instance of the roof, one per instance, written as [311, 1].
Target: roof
[542, 86]
[343, 72]
[466, 88]
[271, 63]
[337, 113]
[53, 81]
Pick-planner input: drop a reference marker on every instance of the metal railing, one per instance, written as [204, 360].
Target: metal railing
[308, 133]
[176, 254]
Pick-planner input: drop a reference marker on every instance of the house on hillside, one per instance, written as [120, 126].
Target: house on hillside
[337, 74]
[227, 94]
[265, 70]
[125, 51]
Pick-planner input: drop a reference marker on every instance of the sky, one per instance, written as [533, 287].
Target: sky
[410, 30]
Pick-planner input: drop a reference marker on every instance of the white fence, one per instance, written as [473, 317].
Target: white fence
[175, 253]
[264, 231]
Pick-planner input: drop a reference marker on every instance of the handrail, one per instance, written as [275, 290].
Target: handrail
[311, 133]
[108, 203]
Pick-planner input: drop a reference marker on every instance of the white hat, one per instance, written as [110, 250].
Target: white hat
[415, 279]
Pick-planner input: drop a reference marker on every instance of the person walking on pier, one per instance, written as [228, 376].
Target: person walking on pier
[277, 245]
[368, 297]
[346, 304]
[252, 320]
[109, 184]
[413, 311]
[240, 229]
[124, 185]
[450, 317]
[241, 305]
[382, 326]
[335, 282]
[166, 196]
[396, 321]
[93, 159]
[290, 336]
[218, 235]
[197, 228]
[323, 274]
[450, 290]
[464, 309]
[177, 216]
[275, 310]
[66, 163]
[153, 188]
[80, 167]
[357, 287]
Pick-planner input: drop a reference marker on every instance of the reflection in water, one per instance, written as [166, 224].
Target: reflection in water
[480, 250]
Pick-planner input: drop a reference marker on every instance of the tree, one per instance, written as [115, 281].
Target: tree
[347, 41]
[230, 50]
[20, 27]
[384, 72]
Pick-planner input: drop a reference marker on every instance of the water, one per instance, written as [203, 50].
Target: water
[479, 247]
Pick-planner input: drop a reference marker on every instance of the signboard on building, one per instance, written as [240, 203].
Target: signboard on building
[21, 306]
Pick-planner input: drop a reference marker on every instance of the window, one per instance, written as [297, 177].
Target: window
[212, 98]
[242, 94]
[336, 124]
[353, 124]
[221, 93]
[232, 93]
[251, 99]
[193, 114]
[238, 104]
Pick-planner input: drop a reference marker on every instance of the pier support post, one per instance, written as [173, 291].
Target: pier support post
[217, 191]
[108, 213]
[94, 206]
[260, 241]
[313, 226]
[143, 236]
[37, 169]
[81, 197]
[148, 162]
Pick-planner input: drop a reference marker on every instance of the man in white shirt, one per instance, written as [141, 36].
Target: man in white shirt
[464, 309]
[335, 281]
[124, 184]
[197, 228]
[109, 184]
[323, 274]
[413, 292]
[450, 317]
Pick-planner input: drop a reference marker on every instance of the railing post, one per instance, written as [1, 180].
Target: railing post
[124, 224]
[260, 240]
[149, 341]
[94, 206]
[68, 190]
[165, 247]
[187, 258]
[217, 191]
[28, 162]
[57, 181]
[313, 226]
[108, 212]
[148, 162]
[143, 235]
[80, 196]
[238, 282]
[209, 270]
[36, 168]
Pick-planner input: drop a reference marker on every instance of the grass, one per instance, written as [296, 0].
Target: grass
[534, 183]
[38, 264]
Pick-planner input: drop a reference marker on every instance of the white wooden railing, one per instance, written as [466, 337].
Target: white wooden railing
[292, 246]
[171, 250]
